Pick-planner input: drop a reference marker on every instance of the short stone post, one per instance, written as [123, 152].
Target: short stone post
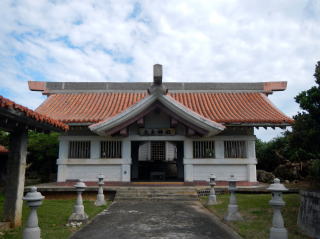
[233, 213]
[212, 199]
[34, 200]
[79, 214]
[277, 231]
[100, 197]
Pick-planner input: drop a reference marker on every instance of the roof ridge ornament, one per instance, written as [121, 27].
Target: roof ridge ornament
[157, 88]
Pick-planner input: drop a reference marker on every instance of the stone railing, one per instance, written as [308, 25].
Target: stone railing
[309, 213]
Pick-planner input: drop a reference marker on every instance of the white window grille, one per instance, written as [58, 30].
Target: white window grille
[111, 149]
[235, 149]
[79, 149]
[158, 150]
[203, 149]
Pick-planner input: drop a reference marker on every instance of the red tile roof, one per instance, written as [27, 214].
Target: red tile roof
[6, 103]
[87, 107]
[219, 107]
[233, 107]
[3, 150]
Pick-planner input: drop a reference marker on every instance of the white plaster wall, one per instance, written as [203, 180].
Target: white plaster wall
[90, 172]
[119, 169]
[222, 172]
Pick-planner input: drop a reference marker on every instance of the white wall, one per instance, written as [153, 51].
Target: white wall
[222, 172]
[119, 169]
[90, 172]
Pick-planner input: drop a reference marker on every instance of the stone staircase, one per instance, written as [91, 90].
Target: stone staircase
[157, 193]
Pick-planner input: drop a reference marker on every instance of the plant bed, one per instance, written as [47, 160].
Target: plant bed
[53, 216]
[257, 214]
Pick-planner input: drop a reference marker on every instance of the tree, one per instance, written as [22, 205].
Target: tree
[4, 138]
[271, 154]
[305, 135]
[42, 154]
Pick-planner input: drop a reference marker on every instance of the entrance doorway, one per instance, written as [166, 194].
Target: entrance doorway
[157, 161]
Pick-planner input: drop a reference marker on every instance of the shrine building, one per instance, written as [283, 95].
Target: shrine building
[172, 131]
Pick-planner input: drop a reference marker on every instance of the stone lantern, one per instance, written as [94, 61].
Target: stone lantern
[277, 231]
[34, 200]
[100, 197]
[79, 214]
[212, 199]
[233, 213]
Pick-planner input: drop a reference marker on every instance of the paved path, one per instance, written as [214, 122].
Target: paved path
[154, 219]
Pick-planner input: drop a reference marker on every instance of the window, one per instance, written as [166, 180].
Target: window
[235, 149]
[111, 149]
[79, 149]
[203, 149]
[158, 150]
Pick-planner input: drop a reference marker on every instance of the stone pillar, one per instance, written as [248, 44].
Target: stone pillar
[233, 213]
[16, 167]
[79, 214]
[212, 199]
[95, 149]
[126, 156]
[34, 200]
[63, 158]
[251, 173]
[219, 149]
[188, 154]
[277, 231]
[63, 148]
[100, 197]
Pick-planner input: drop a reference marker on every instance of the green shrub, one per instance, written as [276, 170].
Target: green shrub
[315, 169]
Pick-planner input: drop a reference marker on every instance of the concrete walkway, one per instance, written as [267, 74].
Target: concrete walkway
[155, 219]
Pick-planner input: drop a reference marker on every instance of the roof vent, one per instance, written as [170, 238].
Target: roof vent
[157, 87]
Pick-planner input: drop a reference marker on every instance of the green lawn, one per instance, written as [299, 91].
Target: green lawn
[257, 214]
[53, 215]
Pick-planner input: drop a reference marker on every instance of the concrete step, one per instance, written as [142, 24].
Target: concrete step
[184, 198]
[160, 192]
[157, 193]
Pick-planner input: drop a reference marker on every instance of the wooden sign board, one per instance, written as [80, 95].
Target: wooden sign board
[157, 132]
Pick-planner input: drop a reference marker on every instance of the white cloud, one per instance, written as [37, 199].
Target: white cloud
[247, 40]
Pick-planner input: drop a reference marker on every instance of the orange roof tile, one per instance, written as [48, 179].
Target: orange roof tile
[6, 103]
[219, 107]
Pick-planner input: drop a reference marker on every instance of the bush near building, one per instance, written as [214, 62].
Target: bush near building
[291, 157]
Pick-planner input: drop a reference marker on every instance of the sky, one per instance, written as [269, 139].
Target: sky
[194, 40]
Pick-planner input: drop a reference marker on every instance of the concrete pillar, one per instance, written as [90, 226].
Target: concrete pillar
[63, 157]
[125, 172]
[188, 173]
[251, 149]
[126, 151]
[252, 173]
[62, 171]
[63, 148]
[95, 149]
[16, 167]
[219, 149]
[188, 154]
[126, 166]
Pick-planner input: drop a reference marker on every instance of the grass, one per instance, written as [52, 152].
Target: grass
[53, 215]
[257, 214]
